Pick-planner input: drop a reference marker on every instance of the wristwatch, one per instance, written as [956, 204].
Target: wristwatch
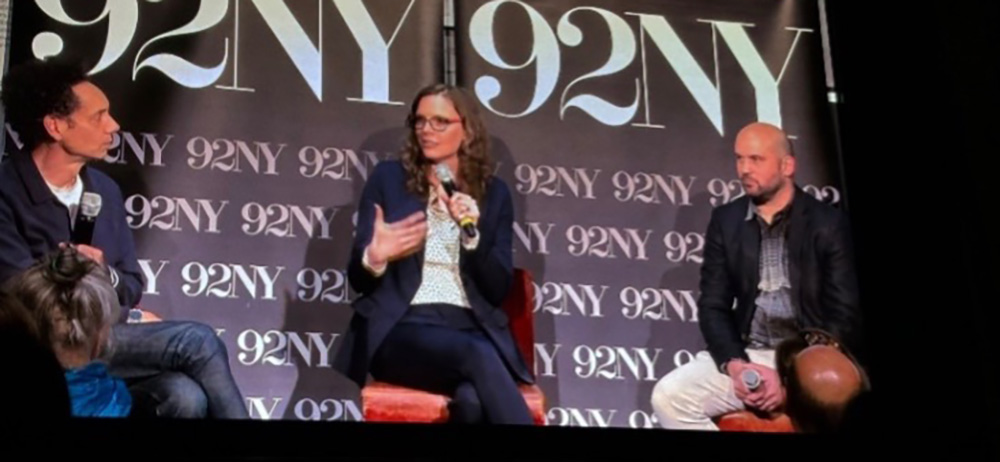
[134, 316]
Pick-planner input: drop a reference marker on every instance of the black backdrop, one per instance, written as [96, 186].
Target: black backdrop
[918, 130]
[918, 134]
[244, 147]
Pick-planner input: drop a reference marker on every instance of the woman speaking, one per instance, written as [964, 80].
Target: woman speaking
[432, 263]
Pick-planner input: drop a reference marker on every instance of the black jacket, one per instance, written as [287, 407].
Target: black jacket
[820, 265]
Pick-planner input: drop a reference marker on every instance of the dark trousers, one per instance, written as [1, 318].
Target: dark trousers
[441, 349]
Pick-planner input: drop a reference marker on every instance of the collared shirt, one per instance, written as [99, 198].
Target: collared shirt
[774, 319]
[441, 280]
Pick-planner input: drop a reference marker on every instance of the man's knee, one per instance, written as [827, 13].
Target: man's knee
[666, 393]
[171, 395]
[201, 339]
[673, 396]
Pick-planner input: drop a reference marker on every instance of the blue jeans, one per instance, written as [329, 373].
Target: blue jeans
[175, 369]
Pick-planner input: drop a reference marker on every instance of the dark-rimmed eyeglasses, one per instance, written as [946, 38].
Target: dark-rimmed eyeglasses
[438, 124]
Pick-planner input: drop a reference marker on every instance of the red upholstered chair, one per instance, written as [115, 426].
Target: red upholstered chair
[746, 421]
[383, 402]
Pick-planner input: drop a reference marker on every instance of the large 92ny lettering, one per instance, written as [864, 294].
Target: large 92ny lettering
[122, 18]
[630, 40]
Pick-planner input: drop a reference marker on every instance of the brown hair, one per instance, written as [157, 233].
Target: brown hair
[475, 164]
[70, 298]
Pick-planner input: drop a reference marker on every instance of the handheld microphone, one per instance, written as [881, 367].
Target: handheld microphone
[751, 379]
[444, 176]
[86, 218]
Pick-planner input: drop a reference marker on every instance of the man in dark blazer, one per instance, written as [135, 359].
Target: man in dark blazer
[469, 371]
[173, 368]
[776, 261]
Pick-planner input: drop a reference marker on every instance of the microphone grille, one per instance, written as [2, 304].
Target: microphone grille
[750, 378]
[90, 204]
[443, 173]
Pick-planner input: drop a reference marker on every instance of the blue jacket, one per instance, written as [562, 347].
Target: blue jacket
[33, 223]
[487, 273]
[94, 392]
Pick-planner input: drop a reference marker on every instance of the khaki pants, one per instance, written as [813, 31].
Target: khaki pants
[690, 396]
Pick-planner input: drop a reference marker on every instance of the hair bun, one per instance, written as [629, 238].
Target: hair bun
[66, 267]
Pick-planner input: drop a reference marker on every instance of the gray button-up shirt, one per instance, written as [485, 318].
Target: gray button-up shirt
[774, 319]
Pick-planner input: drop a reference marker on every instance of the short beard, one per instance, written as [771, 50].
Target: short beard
[766, 195]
